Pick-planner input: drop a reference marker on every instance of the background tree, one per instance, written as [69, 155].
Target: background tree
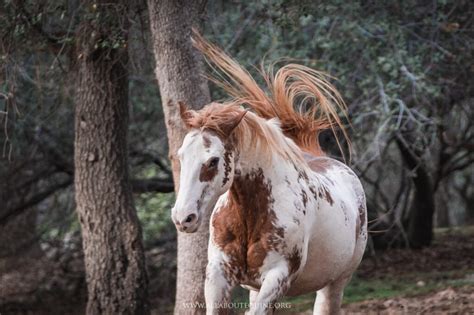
[115, 263]
[179, 75]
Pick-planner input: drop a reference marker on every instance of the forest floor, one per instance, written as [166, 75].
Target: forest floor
[434, 280]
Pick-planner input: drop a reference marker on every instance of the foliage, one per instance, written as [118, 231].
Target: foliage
[154, 211]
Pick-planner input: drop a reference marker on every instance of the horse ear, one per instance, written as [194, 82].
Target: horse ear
[186, 114]
[230, 126]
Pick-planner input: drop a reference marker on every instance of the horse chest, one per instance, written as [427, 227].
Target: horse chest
[246, 239]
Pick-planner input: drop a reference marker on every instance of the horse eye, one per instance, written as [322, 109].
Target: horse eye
[213, 162]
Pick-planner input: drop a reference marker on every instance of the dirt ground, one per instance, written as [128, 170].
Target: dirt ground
[450, 259]
[448, 301]
[434, 280]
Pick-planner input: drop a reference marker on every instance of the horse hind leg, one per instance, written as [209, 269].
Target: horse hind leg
[329, 299]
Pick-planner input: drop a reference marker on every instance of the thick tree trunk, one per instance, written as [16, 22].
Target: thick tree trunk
[112, 241]
[179, 74]
[420, 220]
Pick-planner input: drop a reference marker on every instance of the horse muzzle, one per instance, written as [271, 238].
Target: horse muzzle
[188, 223]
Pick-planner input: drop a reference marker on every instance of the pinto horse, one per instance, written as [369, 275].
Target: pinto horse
[286, 219]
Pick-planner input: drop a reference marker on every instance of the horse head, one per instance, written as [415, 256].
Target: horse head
[207, 160]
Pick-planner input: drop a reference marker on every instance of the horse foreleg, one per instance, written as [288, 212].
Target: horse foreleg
[329, 299]
[217, 290]
[274, 285]
[252, 298]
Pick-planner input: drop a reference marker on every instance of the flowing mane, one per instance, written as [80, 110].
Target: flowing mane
[301, 98]
[253, 135]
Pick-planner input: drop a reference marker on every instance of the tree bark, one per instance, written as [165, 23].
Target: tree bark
[179, 74]
[442, 207]
[112, 241]
[420, 220]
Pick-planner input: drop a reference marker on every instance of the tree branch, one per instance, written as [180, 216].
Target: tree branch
[35, 199]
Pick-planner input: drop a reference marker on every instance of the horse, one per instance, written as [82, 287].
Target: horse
[286, 220]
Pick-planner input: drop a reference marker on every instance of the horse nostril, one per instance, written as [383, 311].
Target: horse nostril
[188, 222]
[190, 218]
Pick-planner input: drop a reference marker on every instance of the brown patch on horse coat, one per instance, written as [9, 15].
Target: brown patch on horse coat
[199, 202]
[328, 196]
[206, 141]
[344, 210]
[302, 175]
[227, 168]
[294, 260]
[244, 229]
[325, 194]
[321, 165]
[304, 198]
[361, 216]
[357, 233]
[313, 191]
[207, 173]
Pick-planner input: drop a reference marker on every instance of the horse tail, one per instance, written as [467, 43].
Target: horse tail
[300, 97]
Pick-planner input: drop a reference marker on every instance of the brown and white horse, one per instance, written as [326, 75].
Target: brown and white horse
[286, 220]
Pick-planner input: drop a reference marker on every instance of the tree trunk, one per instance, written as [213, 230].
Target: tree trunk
[19, 240]
[112, 241]
[179, 74]
[442, 207]
[420, 220]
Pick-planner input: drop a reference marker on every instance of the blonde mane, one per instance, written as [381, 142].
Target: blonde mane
[252, 135]
[301, 98]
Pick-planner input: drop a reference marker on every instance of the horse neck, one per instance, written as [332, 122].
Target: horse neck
[256, 180]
